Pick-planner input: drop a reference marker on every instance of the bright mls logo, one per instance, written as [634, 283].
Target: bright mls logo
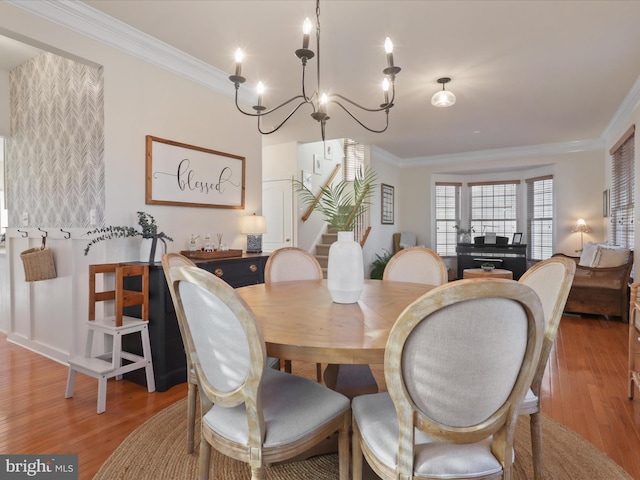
[50, 467]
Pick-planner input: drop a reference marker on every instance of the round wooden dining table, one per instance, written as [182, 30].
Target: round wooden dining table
[300, 321]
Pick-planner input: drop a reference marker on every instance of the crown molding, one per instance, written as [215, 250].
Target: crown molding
[621, 119]
[92, 23]
[384, 156]
[507, 153]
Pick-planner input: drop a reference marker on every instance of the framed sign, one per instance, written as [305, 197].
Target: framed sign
[517, 239]
[387, 205]
[180, 174]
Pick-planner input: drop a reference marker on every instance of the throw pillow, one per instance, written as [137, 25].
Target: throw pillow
[612, 257]
[588, 257]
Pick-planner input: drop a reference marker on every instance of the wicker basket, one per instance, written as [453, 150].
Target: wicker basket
[38, 264]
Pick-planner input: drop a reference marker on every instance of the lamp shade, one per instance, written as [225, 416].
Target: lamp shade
[443, 98]
[253, 225]
[581, 226]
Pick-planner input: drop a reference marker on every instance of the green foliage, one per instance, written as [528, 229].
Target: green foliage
[148, 229]
[340, 204]
[379, 264]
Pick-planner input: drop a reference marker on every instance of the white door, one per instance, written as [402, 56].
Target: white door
[277, 208]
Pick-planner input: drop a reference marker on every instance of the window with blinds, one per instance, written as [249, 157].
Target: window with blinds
[493, 207]
[540, 217]
[447, 217]
[353, 159]
[622, 190]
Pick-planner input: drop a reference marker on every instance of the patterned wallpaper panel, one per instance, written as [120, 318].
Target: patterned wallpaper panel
[55, 164]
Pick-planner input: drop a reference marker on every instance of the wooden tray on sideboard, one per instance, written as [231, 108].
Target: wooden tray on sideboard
[199, 255]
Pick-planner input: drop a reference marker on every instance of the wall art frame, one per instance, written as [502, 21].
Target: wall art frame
[190, 176]
[517, 238]
[387, 209]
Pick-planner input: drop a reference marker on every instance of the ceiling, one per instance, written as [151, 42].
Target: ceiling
[525, 73]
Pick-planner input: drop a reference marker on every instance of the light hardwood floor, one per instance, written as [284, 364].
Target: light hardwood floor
[585, 388]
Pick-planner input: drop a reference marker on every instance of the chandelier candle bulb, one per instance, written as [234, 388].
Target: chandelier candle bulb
[239, 57]
[306, 30]
[388, 47]
[385, 90]
[260, 90]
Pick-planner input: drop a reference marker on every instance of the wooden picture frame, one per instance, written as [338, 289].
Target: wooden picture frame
[185, 175]
[517, 239]
[387, 204]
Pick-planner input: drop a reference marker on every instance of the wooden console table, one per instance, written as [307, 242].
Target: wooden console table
[167, 351]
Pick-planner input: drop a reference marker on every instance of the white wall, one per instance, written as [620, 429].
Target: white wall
[140, 99]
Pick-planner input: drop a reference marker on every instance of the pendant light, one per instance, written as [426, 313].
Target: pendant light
[443, 98]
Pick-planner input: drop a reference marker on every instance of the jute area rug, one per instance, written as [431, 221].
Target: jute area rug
[157, 450]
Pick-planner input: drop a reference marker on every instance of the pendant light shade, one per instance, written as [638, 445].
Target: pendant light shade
[443, 98]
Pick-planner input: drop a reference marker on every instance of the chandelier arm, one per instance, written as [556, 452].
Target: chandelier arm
[275, 129]
[266, 112]
[362, 124]
[383, 107]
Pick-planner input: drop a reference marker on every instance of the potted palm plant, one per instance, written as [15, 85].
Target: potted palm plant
[148, 231]
[341, 204]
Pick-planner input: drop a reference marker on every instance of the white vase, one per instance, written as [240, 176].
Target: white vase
[145, 250]
[345, 271]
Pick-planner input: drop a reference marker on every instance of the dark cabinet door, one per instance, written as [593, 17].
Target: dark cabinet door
[167, 351]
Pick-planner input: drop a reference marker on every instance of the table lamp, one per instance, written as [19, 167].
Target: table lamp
[582, 227]
[254, 226]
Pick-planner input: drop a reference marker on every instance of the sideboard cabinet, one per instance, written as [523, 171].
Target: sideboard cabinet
[167, 351]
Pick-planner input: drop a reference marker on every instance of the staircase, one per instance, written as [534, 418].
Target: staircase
[322, 249]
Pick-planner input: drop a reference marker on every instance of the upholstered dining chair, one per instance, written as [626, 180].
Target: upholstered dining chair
[416, 265]
[551, 280]
[458, 363]
[250, 412]
[289, 264]
[170, 260]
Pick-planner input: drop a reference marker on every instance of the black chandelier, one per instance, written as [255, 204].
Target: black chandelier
[317, 100]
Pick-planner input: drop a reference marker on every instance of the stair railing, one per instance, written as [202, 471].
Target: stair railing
[309, 211]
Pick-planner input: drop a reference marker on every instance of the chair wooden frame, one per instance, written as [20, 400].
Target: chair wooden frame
[540, 278]
[634, 340]
[500, 425]
[255, 453]
[396, 262]
[170, 260]
[315, 275]
[109, 364]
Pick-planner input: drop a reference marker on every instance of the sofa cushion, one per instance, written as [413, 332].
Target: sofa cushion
[611, 256]
[588, 257]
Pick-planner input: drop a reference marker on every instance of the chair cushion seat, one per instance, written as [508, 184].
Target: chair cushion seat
[293, 407]
[376, 418]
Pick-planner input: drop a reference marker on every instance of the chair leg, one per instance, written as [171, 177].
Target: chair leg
[633, 342]
[319, 372]
[343, 447]
[71, 383]
[356, 456]
[536, 445]
[287, 366]
[102, 393]
[192, 397]
[204, 461]
[146, 352]
[257, 473]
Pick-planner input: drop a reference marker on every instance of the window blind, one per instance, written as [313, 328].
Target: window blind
[353, 159]
[447, 217]
[540, 217]
[622, 190]
[493, 207]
